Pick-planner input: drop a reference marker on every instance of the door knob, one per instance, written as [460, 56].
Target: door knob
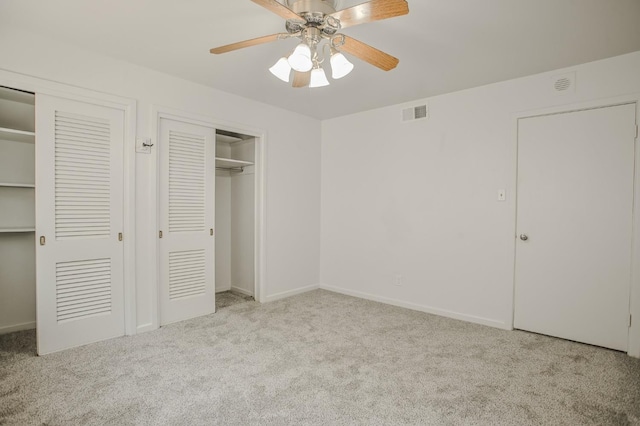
[524, 237]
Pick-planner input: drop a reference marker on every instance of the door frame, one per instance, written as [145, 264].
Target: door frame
[260, 273]
[129, 108]
[634, 285]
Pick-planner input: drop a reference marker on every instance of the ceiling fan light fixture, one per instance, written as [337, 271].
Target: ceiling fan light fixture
[300, 59]
[340, 65]
[281, 69]
[318, 78]
[317, 24]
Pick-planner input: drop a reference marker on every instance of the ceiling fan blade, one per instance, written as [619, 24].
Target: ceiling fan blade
[246, 43]
[369, 54]
[277, 8]
[301, 79]
[374, 10]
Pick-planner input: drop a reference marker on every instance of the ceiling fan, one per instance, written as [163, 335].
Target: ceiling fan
[315, 21]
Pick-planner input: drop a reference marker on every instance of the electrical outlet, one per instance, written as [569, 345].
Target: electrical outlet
[399, 280]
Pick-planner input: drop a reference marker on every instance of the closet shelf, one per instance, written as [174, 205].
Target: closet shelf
[17, 185]
[228, 163]
[17, 135]
[16, 230]
[14, 95]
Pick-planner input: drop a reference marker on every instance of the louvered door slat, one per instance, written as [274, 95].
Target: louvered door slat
[97, 286]
[73, 275]
[78, 139]
[88, 138]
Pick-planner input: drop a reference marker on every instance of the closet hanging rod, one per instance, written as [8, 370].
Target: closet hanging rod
[231, 169]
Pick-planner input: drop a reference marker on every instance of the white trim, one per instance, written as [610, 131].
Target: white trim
[222, 290]
[286, 294]
[260, 218]
[633, 348]
[36, 84]
[129, 225]
[146, 327]
[634, 300]
[241, 291]
[18, 327]
[421, 308]
[129, 107]
[160, 112]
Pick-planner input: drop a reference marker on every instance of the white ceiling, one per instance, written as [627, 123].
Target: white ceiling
[443, 45]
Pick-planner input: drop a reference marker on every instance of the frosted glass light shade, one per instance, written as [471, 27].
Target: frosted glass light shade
[318, 78]
[340, 66]
[281, 69]
[300, 59]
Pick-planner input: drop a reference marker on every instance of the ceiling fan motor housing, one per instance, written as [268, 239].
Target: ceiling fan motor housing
[326, 7]
[314, 14]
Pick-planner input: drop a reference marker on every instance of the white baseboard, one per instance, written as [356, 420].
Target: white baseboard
[241, 291]
[222, 289]
[422, 308]
[290, 293]
[18, 327]
[144, 328]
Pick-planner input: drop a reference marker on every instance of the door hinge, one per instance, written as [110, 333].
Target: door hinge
[211, 232]
[630, 318]
[636, 131]
[120, 236]
[43, 240]
[159, 234]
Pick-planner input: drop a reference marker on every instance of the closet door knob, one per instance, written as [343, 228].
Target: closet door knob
[524, 237]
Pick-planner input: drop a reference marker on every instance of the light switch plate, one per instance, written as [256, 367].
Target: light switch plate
[502, 195]
[140, 145]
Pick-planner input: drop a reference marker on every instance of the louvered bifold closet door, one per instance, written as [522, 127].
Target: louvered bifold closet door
[187, 185]
[79, 216]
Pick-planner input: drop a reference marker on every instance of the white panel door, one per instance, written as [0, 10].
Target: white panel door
[575, 198]
[187, 191]
[79, 215]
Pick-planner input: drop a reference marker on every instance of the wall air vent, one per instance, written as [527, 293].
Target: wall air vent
[420, 112]
[564, 84]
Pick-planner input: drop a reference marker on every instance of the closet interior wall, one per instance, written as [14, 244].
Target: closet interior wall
[235, 215]
[17, 211]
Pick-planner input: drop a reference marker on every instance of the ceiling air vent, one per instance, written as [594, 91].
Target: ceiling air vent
[564, 84]
[415, 113]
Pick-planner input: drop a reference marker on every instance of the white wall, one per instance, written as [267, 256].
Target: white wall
[293, 209]
[17, 282]
[243, 220]
[223, 231]
[420, 198]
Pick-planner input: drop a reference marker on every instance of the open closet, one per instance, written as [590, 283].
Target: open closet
[207, 220]
[17, 211]
[235, 216]
[61, 228]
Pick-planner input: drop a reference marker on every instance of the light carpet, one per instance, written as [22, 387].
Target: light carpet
[229, 298]
[319, 358]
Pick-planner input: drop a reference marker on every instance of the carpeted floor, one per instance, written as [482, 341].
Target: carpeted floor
[230, 298]
[319, 359]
